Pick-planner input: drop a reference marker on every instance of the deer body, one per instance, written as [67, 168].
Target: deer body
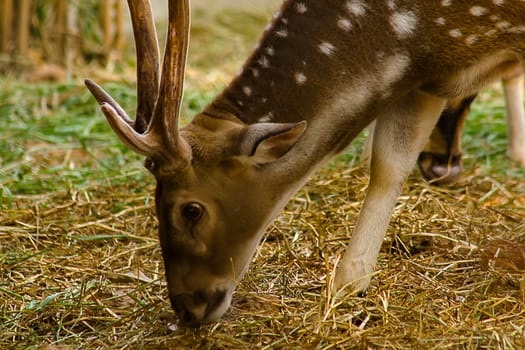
[322, 72]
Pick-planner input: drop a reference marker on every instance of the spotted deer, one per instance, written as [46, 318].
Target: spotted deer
[323, 70]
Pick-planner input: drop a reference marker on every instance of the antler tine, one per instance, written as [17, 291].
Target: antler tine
[165, 118]
[103, 97]
[147, 50]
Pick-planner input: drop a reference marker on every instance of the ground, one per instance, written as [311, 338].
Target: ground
[81, 267]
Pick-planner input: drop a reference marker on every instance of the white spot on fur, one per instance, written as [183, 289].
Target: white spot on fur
[282, 32]
[517, 30]
[300, 78]
[264, 100]
[327, 48]
[264, 62]
[395, 68]
[491, 32]
[247, 90]
[344, 24]
[403, 23]
[440, 21]
[503, 25]
[269, 51]
[301, 8]
[478, 11]
[255, 73]
[267, 117]
[356, 7]
[446, 3]
[498, 2]
[472, 39]
[455, 33]
[391, 5]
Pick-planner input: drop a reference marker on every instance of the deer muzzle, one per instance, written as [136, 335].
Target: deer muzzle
[194, 309]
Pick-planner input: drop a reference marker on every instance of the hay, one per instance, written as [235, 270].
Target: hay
[83, 270]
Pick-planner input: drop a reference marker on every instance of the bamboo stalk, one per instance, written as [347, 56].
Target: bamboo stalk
[61, 25]
[106, 24]
[23, 26]
[119, 36]
[71, 44]
[6, 15]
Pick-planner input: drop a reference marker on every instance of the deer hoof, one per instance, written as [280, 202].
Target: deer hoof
[352, 277]
[517, 155]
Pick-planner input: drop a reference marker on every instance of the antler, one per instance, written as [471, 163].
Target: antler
[154, 132]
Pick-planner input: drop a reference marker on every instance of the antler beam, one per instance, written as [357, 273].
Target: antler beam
[154, 132]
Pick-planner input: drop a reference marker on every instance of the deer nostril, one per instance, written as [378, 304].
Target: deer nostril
[186, 311]
[216, 300]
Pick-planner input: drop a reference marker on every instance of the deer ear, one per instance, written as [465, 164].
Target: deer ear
[267, 142]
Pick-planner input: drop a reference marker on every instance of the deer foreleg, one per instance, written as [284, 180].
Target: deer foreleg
[399, 136]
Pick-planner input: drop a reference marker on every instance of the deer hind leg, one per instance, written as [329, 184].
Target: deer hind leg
[513, 87]
[399, 136]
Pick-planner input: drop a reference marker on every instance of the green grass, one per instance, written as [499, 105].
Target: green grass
[42, 126]
[485, 137]
[54, 138]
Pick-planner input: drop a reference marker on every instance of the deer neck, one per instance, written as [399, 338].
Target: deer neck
[303, 70]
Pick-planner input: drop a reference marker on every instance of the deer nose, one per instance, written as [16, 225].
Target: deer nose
[449, 171]
[439, 169]
[444, 173]
[199, 307]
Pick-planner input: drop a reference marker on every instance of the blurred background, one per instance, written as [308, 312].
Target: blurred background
[53, 39]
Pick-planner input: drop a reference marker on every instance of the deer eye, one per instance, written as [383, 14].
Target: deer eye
[192, 211]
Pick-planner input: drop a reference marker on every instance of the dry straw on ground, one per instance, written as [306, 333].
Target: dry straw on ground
[81, 276]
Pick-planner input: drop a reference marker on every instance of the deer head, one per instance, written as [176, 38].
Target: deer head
[209, 226]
